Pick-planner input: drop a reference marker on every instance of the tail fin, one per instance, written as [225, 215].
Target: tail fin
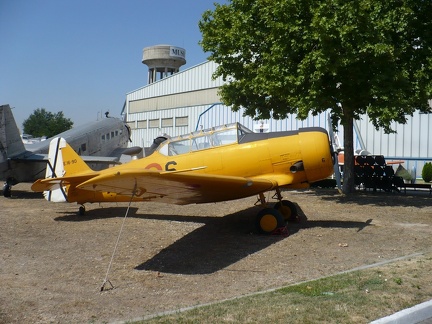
[63, 161]
[10, 140]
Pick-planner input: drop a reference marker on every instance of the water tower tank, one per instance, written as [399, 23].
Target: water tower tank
[163, 60]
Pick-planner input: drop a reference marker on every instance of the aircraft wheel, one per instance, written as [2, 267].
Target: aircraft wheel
[7, 190]
[268, 220]
[288, 210]
[81, 210]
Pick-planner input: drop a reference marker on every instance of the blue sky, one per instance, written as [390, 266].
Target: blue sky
[82, 56]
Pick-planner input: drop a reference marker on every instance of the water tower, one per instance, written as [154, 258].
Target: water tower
[163, 61]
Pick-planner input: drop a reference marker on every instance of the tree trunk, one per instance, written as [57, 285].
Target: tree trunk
[348, 169]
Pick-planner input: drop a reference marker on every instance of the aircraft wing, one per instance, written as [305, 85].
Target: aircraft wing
[30, 157]
[176, 187]
[100, 159]
[37, 157]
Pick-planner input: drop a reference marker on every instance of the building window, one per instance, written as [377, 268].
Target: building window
[167, 122]
[154, 123]
[142, 123]
[182, 121]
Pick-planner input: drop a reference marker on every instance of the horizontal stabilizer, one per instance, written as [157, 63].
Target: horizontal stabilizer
[48, 183]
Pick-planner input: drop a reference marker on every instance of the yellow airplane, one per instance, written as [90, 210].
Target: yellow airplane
[218, 164]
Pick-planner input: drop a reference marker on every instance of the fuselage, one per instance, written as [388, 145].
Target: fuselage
[254, 155]
[99, 138]
[290, 159]
[105, 137]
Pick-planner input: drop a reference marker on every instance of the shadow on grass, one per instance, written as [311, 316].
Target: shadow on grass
[23, 194]
[417, 198]
[217, 244]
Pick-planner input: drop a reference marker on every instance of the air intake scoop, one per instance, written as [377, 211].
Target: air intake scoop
[298, 166]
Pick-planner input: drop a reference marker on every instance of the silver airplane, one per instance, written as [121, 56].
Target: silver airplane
[100, 143]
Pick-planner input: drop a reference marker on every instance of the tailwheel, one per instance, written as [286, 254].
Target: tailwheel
[288, 210]
[268, 220]
[81, 210]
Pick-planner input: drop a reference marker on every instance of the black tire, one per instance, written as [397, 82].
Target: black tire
[287, 209]
[7, 191]
[268, 220]
[81, 210]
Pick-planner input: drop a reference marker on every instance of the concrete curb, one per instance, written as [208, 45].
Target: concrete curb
[412, 315]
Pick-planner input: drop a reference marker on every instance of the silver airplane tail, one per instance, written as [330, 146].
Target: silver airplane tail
[11, 144]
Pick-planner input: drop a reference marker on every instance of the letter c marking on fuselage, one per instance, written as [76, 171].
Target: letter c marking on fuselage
[167, 166]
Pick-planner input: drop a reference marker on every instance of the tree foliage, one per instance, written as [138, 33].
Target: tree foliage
[44, 123]
[427, 172]
[304, 56]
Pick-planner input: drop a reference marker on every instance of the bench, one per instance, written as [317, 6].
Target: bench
[416, 186]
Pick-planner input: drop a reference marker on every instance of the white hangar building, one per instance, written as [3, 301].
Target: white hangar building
[176, 103]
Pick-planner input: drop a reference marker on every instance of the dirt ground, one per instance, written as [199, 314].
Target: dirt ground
[53, 262]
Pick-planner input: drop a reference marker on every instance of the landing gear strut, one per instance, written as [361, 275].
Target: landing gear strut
[287, 208]
[270, 219]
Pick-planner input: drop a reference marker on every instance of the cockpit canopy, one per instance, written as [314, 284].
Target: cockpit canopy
[204, 139]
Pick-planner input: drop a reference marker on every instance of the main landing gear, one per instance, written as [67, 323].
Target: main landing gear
[269, 220]
[81, 210]
[7, 190]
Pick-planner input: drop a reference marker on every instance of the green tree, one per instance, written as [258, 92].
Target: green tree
[355, 57]
[427, 172]
[45, 123]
